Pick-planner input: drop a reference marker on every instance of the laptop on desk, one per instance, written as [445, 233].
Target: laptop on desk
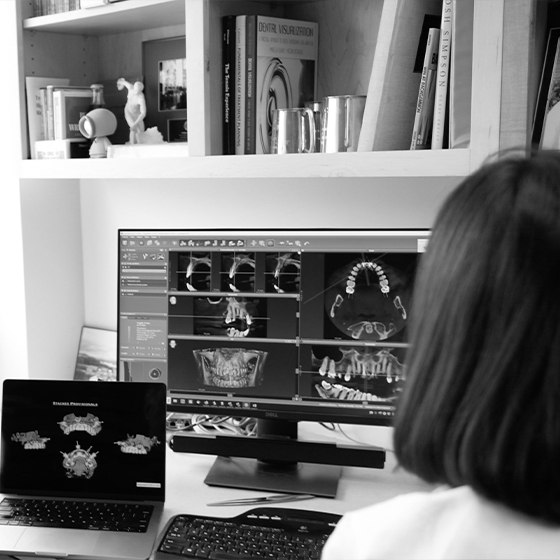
[77, 444]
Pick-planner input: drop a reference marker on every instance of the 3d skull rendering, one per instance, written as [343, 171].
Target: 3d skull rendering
[233, 368]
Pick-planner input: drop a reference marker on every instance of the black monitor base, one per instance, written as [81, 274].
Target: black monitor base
[297, 478]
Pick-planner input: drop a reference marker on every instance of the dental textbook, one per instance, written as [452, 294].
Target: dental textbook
[275, 67]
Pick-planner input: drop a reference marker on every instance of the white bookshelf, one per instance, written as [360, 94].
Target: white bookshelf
[64, 214]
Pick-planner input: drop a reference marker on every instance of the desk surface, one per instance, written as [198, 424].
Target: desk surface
[358, 487]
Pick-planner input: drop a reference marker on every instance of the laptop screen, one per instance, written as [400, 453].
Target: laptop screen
[83, 439]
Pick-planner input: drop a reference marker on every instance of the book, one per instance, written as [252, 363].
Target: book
[285, 73]
[36, 108]
[228, 63]
[250, 89]
[423, 119]
[393, 86]
[69, 106]
[240, 84]
[441, 113]
[460, 77]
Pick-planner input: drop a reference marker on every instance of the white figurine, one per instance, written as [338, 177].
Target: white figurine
[135, 108]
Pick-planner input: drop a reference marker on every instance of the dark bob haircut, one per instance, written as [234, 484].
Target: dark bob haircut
[481, 403]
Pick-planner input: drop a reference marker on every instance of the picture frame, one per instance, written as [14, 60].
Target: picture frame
[544, 123]
[165, 86]
[97, 355]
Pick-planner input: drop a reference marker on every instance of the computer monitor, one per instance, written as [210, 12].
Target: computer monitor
[280, 325]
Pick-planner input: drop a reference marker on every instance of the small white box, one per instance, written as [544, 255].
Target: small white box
[62, 149]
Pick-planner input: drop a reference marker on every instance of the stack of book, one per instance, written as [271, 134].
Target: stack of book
[445, 85]
[49, 7]
[54, 109]
[268, 63]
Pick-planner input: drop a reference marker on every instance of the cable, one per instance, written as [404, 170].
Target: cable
[211, 425]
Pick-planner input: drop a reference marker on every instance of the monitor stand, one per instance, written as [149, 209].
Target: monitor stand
[297, 478]
[291, 477]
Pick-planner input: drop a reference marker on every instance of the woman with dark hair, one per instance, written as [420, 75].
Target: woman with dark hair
[480, 411]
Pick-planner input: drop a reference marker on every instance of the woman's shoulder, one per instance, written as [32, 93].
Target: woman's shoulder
[445, 523]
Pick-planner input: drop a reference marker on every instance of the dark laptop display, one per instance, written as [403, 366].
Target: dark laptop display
[83, 439]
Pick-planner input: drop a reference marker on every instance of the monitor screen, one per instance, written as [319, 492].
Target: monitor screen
[297, 325]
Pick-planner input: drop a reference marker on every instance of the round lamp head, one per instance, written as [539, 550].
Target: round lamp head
[99, 122]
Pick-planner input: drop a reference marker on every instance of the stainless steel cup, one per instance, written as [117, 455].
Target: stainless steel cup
[341, 122]
[317, 108]
[293, 131]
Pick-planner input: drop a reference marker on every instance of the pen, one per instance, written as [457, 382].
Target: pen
[274, 499]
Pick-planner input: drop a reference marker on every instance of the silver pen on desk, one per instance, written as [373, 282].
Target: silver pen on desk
[274, 499]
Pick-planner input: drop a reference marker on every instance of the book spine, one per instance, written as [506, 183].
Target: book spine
[50, 115]
[228, 58]
[460, 86]
[442, 82]
[423, 119]
[250, 101]
[43, 102]
[240, 84]
[59, 126]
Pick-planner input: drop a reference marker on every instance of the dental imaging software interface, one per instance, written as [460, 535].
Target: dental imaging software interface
[303, 325]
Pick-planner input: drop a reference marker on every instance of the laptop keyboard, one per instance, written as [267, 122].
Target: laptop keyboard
[274, 533]
[98, 516]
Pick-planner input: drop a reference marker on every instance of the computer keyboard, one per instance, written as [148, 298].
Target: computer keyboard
[264, 532]
[99, 516]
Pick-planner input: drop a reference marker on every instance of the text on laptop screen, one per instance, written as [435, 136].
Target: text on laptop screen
[83, 439]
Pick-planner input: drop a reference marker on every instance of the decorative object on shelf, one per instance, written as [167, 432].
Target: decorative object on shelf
[98, 98]
[546, 125]
[341, 122]
[317, 108]
[177, 130]
[293, 131]
[97, 353]
[96, 126]
[165, 75]
[135, 108]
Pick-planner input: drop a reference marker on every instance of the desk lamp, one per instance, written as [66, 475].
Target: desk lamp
[97, 125]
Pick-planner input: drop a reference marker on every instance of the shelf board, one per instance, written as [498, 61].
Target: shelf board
[406, 164]
[121, 17]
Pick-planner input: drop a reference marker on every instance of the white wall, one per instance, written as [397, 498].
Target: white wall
[237, 203]
[13, 327]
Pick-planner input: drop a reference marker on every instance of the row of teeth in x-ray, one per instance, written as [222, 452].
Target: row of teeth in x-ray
[337, 391]
[367, 369]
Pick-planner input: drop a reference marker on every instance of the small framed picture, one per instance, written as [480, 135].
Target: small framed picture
[177, 130]
[546, 124]
[165, 87]
[97, 355]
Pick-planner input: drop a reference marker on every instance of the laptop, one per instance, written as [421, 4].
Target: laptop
[85, 441]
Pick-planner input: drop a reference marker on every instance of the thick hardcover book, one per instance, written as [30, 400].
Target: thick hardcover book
[286, 70]
[423, 119]
[460, 85]
[228, 61]
[441, 113]
[240, 84]
[69, 106]
[36, 108]
[250, 106]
